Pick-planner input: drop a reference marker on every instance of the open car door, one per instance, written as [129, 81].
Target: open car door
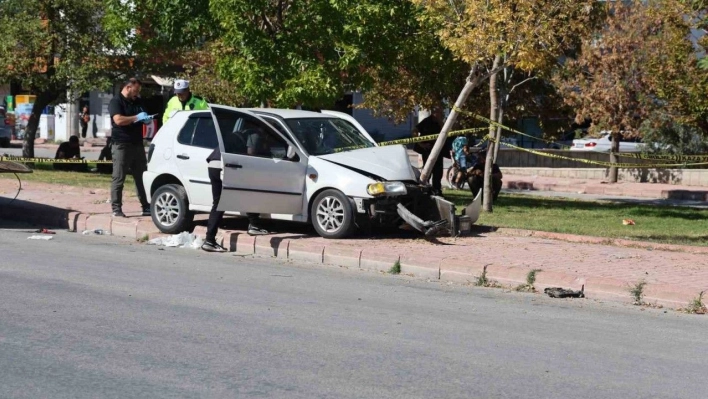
[263, 171]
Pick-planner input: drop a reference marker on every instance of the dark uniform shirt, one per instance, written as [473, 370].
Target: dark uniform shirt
[132, 133]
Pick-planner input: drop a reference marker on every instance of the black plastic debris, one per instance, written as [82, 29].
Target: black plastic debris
[557, 292]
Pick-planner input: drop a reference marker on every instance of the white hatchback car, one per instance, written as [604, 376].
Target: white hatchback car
[604, 144]
[318, 167]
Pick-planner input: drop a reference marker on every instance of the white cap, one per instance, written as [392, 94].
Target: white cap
[181, 85]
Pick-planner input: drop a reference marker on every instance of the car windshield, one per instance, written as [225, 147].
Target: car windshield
[322, 136]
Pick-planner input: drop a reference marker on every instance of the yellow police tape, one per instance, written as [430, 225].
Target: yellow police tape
[601, 163]
[698, 157]
[419, 139]
[497, 124]
[48, 160]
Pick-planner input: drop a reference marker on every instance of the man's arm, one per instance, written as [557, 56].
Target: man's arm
[116, 112]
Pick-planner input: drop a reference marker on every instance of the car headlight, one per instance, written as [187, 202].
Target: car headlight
[387, 188]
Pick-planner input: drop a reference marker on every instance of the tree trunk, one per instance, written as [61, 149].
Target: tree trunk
[471, 83]
[614, 172]
[42, 101]
[500, 121]
[494, 106]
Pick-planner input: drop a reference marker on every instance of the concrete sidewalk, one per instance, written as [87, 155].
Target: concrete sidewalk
[675, 275]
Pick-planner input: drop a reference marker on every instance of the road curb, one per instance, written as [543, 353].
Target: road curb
[464, 271]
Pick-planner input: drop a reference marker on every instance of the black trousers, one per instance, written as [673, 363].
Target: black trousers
[216, 216]
[477, 183]
[84, 128]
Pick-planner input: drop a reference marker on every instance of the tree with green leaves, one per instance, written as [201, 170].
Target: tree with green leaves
[490, 35]
[55, 47]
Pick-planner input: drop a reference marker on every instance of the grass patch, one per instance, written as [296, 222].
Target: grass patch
[396, 268]
[483, 281]
[662, 224]
[530, 281]
[45, 173]
[144, 238]
[637, 292]
[696, 306]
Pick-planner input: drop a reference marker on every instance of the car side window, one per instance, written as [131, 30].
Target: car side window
[205, 134]
[187, 132]
[245, 135]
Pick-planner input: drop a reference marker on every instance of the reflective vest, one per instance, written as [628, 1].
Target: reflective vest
[194, 103]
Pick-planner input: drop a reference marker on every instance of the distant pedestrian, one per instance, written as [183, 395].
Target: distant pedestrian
[69, 150]
[127, 150]
[183, 100]
[84, 118]
[476, 179]
[105, 155]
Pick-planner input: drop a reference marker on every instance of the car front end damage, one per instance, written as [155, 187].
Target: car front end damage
[403, 204]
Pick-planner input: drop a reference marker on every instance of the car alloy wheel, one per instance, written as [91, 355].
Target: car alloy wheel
[330, 214]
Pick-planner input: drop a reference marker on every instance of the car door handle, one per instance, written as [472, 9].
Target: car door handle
[183, 156]
[233, 165]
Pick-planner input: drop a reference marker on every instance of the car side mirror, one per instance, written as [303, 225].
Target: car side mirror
[290, 153]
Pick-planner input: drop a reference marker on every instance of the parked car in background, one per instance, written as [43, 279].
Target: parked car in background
[5, 135]
[5, 129]
[604, 144]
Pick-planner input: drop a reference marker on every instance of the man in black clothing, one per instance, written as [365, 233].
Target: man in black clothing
[476, 179]
[69, 150]
[127, 118]
[105, 155]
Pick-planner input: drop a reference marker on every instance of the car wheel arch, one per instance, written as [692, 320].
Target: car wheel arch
[316, 193]
[162, 180]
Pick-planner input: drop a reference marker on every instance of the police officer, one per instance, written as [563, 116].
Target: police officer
[183, 100]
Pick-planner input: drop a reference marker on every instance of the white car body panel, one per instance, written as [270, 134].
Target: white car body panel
[390, 162]
[310, 175]
[604, 144]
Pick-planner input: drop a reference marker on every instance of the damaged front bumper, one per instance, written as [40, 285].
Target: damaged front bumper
[429, 214]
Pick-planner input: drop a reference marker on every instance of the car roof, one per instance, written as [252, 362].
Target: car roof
[280, 112]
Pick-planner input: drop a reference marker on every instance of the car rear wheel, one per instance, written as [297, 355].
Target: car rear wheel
[332, 214]
[4, 142]
[170, 209]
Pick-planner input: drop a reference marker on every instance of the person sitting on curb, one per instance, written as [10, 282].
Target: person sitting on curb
[70, 150]
[476, 179]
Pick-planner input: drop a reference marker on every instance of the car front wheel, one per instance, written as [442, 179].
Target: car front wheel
[170, 209]
[332, 214]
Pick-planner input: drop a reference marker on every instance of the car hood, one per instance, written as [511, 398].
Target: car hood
[389, 163]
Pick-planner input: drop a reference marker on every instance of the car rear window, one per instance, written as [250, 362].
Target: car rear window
[198, 132]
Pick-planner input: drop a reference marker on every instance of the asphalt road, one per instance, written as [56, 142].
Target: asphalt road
[98, 317]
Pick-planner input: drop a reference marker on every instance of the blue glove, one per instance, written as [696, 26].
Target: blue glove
[142, 116]
[148, 119]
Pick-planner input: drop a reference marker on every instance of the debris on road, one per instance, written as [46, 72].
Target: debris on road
[99, 232]
[181, 240]
[557, 292]
[45, 238]
[45, 231]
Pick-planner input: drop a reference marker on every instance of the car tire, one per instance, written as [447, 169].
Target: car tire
[332, 214]
[4, 142]
[170, 209]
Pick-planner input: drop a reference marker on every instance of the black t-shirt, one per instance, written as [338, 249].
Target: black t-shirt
[480, 166]
[132, 133]
[68, 150]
